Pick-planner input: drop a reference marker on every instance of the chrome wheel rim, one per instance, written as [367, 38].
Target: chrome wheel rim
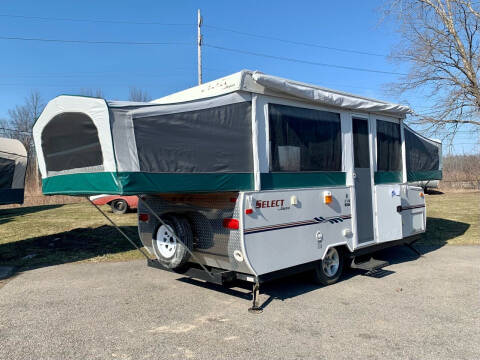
[331, 262]
[120, 205]
[165, 241]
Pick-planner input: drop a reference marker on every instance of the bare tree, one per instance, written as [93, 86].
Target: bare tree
[440, 41]
[98, 93]
[137, 94]
[22, 118]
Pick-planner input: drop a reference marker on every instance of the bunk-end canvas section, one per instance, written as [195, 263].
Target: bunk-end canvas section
[13, 164]
[423, 157]
[92, 146]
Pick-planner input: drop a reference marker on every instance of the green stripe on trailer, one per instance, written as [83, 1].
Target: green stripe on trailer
[286, 180]
[424, 175]
[387, 177]
[132, 183]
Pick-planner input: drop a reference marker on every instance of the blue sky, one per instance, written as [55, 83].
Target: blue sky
[59, 68]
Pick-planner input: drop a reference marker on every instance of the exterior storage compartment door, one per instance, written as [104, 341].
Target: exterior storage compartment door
[413, 211]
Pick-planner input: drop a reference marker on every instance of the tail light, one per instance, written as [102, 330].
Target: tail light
[143, 217]
[231, 224]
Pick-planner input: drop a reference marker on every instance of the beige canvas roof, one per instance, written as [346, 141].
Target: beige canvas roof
[257, 82]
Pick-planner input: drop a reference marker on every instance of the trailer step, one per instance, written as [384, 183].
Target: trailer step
[369, 265]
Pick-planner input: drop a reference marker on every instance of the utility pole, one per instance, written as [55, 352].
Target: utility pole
[199, 47]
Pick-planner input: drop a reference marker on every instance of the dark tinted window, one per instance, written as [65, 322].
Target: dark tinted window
[70, 141]
[361, 149]
[389, 149]
[304, 139]
[217, 139]
[7, 168]
[421, 155]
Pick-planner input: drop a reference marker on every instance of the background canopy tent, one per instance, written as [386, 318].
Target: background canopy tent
[13, 164]
[203, 139]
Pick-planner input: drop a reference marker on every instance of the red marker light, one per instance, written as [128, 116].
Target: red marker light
[143, 217]
[249, 211]
[231, 224]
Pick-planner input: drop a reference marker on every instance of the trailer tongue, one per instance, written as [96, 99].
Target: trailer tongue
[248, 177]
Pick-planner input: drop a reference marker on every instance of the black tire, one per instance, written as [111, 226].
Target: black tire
[119, 206]
[180, 255]
[321, 276]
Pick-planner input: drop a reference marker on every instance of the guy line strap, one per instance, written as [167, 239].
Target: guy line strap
[119, 230]
[161, 221]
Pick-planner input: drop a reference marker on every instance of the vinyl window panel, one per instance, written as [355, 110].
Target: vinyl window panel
[70, 141]
[304, 140]
[211, 140]
[389, 147]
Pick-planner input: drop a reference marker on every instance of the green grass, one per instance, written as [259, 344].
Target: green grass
[40, 236]
[453, 218]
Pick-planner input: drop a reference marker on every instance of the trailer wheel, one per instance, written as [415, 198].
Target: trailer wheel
[119, 206]
[330, 268]
[171, 253]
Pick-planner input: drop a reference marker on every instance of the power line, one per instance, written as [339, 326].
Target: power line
[213, 27]
[302, 61]
[294, 42]
[95, 20]
[92, 41]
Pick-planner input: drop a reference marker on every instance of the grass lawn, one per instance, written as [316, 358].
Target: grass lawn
[453, 217]
[39, 236]
[53, 234]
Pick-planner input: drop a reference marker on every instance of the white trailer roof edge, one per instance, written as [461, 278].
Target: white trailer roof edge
[257, 82]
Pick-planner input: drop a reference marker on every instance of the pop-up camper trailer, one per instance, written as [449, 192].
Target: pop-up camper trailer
[13, 164]
[254, 175]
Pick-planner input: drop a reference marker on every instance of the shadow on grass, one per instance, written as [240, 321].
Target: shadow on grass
[7, 215]
[438, 233]
[69, 246]
[433, 192]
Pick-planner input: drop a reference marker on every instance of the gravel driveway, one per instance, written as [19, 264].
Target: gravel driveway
[425, 308]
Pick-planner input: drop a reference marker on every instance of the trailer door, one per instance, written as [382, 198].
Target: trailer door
[362, 181]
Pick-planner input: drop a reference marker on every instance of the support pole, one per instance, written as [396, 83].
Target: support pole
[199, 46]
[256, 308]
[119, 230]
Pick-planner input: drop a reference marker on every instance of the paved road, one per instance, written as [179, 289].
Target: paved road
[427, 308]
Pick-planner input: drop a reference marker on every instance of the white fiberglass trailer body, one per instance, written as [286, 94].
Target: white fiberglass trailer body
[253, 174]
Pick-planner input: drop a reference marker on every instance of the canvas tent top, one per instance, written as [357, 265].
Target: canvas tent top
[259, 83]
[13, 164]
[206, 139]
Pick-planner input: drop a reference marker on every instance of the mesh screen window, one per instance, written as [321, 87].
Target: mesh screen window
[389, 149]
[304, 139]
[211, 140]
[421, 155]
[70, 141]
[361, 147]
